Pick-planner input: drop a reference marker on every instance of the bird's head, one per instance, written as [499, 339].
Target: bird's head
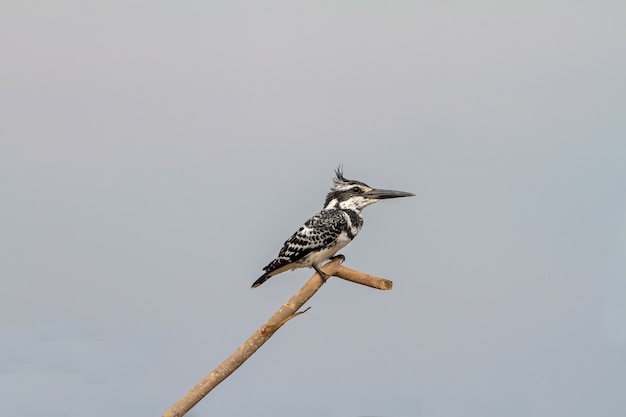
[355, 195]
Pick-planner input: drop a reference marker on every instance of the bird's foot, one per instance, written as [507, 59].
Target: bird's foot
[321, 273]
[340, 257]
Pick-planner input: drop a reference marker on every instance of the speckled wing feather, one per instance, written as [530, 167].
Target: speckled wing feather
[319, 232]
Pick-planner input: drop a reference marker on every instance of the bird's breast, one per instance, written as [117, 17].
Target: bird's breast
[354, 222]
[316, 258]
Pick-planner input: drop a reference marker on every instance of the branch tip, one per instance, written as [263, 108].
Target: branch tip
[271, 328]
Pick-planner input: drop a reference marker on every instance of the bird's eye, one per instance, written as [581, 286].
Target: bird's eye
[356, 189]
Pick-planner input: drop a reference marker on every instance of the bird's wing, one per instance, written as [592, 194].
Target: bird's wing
[317, 233]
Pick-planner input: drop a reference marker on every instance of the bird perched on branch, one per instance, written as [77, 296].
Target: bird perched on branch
[330, 230]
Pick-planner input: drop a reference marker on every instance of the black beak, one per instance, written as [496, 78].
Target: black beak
[383, 194]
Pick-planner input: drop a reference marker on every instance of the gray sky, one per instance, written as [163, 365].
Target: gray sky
[155, 155]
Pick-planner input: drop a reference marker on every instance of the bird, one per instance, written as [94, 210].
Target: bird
[330, 230]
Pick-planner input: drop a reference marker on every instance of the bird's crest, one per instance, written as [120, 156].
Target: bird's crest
[340, 182]
[339, 178]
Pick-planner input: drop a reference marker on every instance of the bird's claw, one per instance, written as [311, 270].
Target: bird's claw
[340, 257]
[321, 273]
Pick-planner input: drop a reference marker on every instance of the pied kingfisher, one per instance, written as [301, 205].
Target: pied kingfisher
[330, 230]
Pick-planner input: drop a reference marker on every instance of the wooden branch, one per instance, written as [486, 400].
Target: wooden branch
[285, 313]
[363, 278]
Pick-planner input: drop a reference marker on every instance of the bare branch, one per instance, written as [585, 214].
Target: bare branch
[363, 278]
[285, 313]
[273, 327]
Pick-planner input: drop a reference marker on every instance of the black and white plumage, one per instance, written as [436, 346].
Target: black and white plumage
[330, 230]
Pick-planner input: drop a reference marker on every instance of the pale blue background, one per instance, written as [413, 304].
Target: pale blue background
[155, 155]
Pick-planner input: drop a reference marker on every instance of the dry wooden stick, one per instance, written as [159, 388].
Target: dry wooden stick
[285, 313]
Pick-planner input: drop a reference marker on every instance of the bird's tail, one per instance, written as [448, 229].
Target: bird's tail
[261, 280]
